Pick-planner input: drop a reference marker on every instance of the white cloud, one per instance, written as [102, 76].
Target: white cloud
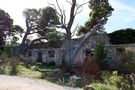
[122, 12]
[119, 6]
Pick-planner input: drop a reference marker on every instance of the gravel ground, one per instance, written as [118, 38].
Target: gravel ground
[17, 83]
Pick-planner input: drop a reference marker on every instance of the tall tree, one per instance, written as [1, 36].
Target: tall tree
[100, 9]
[32, 16]
[122, 36]
[98, 18]
[75, 9]
[39, 22]
[48, 20]
[5, 26]
[8, 31]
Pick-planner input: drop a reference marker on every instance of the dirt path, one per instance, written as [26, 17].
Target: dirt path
[17, 83]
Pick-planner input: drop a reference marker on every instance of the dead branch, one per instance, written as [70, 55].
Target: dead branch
[74, 10]
[64, 18]
[60, 12]
[75, 29]
[78, 7]
[69, 2]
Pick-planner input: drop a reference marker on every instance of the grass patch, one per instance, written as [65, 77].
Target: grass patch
[36, 71]
[28, 72]
[100, 86]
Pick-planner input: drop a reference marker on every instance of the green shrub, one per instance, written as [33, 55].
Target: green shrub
[101, 56]
[23, 71]
[8, 64]
[112, 81]
[8, 50]
[100, 86]
[117, 81]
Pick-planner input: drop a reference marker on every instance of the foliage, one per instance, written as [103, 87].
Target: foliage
[16, 34]
[23, 71]
[112, 81]
[101, 54]
[40, 21]
[99, 11]
[9, 64]
[101, 86]
[5, 26]
[8, 50]
[48, 20]
[122, 36]
[117, 81]
[8, 31]
[37, 71]
[55, 39]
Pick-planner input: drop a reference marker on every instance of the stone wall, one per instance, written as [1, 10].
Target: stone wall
[48, 56]
[112, 49]
[115, 57]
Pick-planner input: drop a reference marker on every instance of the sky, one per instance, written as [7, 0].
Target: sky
[123, 15]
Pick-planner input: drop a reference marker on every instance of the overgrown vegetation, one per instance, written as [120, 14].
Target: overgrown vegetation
[112, 81]
[8, 64]
[99, 11]
[122, 36]
[101, 55]
[45, 22]
[12, 65]
[55, 39]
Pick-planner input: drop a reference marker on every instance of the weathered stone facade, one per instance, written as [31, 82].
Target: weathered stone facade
[49, 55]
[114, 54]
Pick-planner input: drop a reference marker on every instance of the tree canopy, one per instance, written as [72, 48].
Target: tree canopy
[8, 31]
[40, 22]
[55, 39]
[48, 21]
[98, 12]
[5, 26]
[122, 36]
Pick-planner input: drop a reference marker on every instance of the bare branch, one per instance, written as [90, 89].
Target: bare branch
[54, 8]
[78, 12]
[72, 10]
[78, 7]
[75, 29]
[59, 6]
[64, 17]
[69, 2]
[61, 15]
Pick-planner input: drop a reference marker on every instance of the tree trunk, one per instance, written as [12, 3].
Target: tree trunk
[68, 34]
[20, 50]
[26, 34]
[85, 37]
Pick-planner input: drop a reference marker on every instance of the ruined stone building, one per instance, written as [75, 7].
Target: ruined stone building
[44, 54]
